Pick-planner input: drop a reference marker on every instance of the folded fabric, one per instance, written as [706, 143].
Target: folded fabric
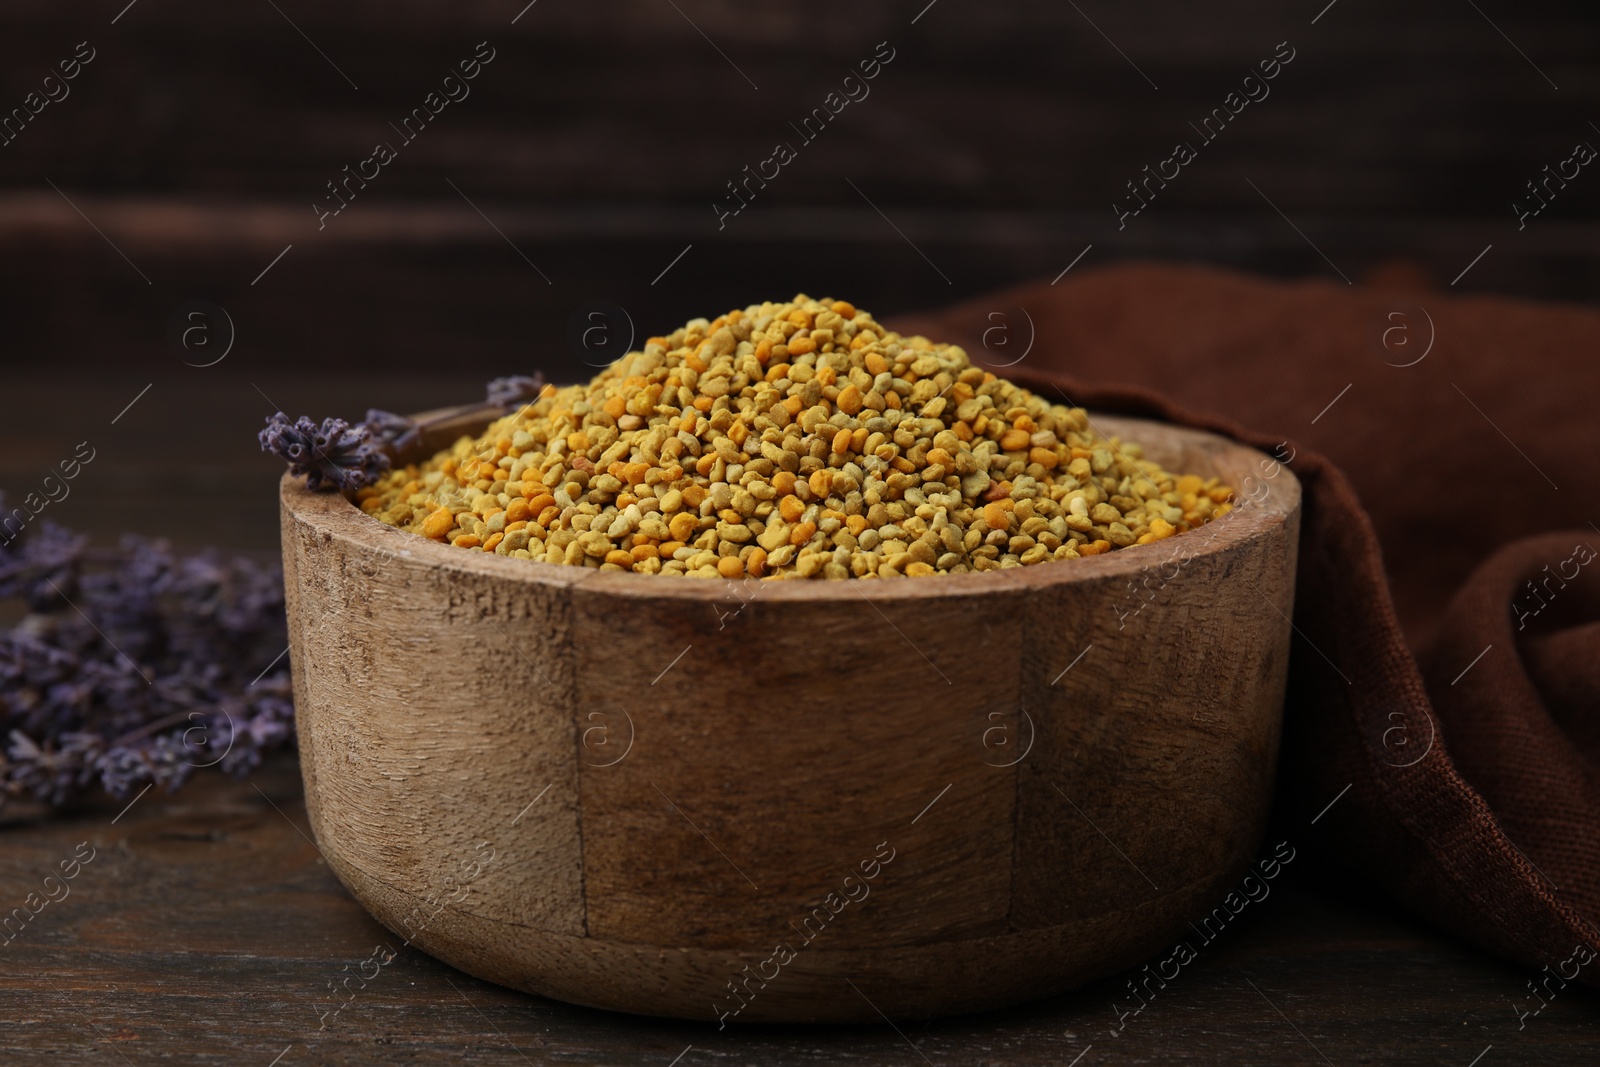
[1451, 703]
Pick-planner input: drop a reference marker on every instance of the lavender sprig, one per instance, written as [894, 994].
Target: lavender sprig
[513, 390]
[395, 434]
[337, 455]
[332, 453]
[135, 665]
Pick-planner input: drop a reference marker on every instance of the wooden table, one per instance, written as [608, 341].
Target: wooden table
[207, 928]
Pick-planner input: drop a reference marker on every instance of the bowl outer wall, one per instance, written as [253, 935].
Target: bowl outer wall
[622, 790]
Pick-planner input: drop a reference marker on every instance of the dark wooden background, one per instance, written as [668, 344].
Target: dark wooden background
[994, 145]
[997, 141]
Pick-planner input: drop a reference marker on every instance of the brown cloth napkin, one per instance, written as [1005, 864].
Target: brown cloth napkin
[1446, 666]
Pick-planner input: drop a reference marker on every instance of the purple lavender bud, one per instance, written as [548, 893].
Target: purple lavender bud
[393, 433]
[162, 665]
[514, 390]
[333, 453]
[42, 566]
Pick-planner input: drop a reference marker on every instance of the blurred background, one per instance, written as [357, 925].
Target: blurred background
[182, 169]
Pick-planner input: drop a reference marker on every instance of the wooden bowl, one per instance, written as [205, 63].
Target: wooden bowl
[788, 801]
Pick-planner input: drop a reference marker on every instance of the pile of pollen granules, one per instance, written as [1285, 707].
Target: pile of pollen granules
[799, 439]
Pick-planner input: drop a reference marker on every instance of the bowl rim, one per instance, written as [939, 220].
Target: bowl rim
[331, 513]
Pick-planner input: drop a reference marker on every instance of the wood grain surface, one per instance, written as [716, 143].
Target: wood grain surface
[208, 928]
[1399, 136]
[780, 748]
[995, 142]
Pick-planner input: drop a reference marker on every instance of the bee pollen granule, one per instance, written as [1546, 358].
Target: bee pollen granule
[799, 439]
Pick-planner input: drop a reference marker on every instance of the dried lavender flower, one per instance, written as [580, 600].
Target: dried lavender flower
[393, 433]
[516, 389]
[136, 665]
[332, 453]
